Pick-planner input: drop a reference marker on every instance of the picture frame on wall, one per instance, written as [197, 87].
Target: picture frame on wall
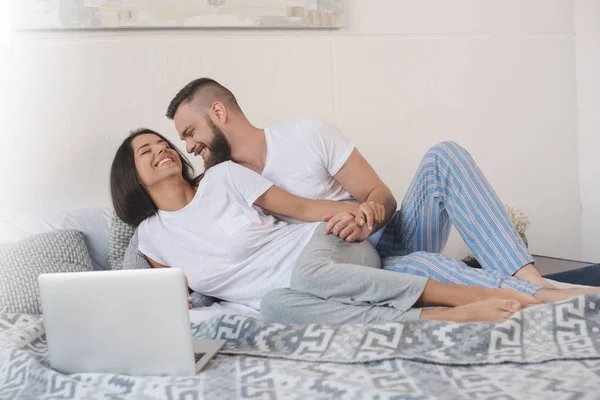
[111, 14]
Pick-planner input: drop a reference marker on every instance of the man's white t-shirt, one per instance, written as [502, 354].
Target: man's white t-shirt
[303, 156]
[227, 247]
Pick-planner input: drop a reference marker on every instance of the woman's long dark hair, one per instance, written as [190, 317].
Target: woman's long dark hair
[130, 198]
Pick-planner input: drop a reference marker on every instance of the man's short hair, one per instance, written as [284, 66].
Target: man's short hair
[208, 90]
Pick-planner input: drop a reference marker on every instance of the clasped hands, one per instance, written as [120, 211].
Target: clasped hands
[357, 225]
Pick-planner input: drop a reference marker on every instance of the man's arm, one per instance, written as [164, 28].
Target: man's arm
[278, 201]
[359, 179]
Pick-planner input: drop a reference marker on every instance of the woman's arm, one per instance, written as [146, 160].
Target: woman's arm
[277, 200]
[155, 264]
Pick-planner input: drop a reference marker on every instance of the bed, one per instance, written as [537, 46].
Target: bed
[547, 351]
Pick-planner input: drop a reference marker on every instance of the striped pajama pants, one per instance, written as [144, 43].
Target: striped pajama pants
[449, 189]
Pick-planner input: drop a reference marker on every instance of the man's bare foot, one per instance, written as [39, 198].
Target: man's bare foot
[551, 295]
[492, 310]
[529, 274]
[525, 299]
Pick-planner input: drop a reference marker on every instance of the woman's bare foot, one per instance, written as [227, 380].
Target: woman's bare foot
[529, 274]
[492, 310]
[551, 295]
[525, 299]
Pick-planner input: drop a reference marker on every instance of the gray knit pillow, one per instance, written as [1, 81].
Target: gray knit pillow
[118, 240]
[22, 262]
[133, 257]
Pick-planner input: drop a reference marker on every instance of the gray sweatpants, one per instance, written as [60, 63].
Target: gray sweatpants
[335, 282]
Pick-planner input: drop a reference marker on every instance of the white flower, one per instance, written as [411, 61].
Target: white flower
[519, 220]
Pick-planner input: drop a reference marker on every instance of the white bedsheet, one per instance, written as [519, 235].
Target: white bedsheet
[562, 285]
[198, 315]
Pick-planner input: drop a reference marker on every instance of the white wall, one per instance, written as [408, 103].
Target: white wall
[587, 46]
[497, 76]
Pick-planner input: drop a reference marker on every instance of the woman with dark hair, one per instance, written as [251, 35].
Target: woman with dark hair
[130, 199]
[212, 228]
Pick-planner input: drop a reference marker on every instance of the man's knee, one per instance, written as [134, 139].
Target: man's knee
[446, 147]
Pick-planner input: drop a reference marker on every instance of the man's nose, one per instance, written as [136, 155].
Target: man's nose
[189, 147]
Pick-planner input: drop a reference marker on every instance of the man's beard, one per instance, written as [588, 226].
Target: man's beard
[220, 150]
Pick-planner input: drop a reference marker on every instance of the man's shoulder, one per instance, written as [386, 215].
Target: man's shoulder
[305, 130]
[300, 125]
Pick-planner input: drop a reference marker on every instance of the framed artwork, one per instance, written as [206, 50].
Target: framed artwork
[98, 14]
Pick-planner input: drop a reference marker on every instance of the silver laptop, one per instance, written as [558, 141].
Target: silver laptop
[133, 322]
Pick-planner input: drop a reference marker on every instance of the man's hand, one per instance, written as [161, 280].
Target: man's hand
[370, 213]
[346, 226]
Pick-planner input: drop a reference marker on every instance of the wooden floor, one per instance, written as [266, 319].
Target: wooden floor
[550, 265]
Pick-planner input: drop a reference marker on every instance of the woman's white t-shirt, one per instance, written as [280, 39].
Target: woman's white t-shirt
[227, 247]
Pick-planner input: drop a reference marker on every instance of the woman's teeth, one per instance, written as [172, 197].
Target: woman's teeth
[164, 162]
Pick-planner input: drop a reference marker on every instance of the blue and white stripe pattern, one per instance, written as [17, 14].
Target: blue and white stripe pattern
[449, 188]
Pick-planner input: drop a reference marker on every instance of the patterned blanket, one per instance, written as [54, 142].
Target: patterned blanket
[549, 350]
